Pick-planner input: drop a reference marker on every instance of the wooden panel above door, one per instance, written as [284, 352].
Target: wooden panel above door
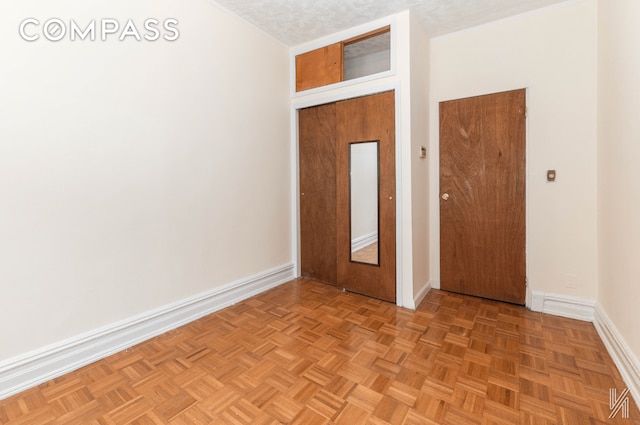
[319, 67]
[326, 65]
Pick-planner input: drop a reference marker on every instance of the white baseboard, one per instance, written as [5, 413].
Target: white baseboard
[534, 302]
[28, 370]
[590, 311]
[561, 305]
[627, 363]
[363, 241]
[419, 296]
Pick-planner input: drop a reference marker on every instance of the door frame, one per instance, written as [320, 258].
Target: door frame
[404, 287]
[434, 186]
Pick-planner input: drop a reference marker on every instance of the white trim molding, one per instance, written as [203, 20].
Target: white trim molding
[31, 369]
[588, 310]
[561, 305]
[627, 363]
[421, 294]
[363, 241]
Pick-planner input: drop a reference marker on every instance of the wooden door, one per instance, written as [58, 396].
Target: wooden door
[482, 196]
[367, 119]
[317, 158]
[319, 67]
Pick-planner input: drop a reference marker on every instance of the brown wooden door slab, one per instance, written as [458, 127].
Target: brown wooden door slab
[319, 67]
[364, 119]
[317, 158]
[482, 196]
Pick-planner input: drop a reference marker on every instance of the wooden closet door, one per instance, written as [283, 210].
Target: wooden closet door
[317, 159]
[368, 119]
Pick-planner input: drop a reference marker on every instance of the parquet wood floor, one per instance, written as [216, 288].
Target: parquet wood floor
[368, 254]
[307, 353]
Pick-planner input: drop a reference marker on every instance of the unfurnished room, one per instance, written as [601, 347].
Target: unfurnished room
[319, 212]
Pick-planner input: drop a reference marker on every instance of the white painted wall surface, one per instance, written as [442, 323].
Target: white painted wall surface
[553, 53]
[419, 166]
[135, 174]
[404, 219]
[618, 169]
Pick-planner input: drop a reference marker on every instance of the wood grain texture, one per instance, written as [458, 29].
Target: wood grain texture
[370, 118]
[308, 353]
[367, 35]
[319, 67]
[482, 169]
[317, 158]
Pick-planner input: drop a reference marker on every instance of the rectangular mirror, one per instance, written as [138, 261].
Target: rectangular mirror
[363, 201]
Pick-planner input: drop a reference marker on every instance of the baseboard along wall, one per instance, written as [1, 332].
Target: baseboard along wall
[31, 369]
[363, 241]
[421, 294]
[26, 371]
[627, 363]
[591, 311]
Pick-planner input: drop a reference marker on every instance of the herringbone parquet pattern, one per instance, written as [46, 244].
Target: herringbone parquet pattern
[306, 353]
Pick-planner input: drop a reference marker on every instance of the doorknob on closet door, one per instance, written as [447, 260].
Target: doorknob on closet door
[445, 196]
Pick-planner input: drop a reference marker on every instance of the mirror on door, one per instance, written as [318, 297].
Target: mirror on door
[363, 199]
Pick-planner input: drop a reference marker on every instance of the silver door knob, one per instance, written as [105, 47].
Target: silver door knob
[445, 196]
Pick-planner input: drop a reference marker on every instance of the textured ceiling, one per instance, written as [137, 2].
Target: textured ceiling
[297, 21]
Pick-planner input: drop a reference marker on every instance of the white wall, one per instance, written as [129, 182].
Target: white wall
[134, 174]
[553, 53]
[618, 169]
[419, 166]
